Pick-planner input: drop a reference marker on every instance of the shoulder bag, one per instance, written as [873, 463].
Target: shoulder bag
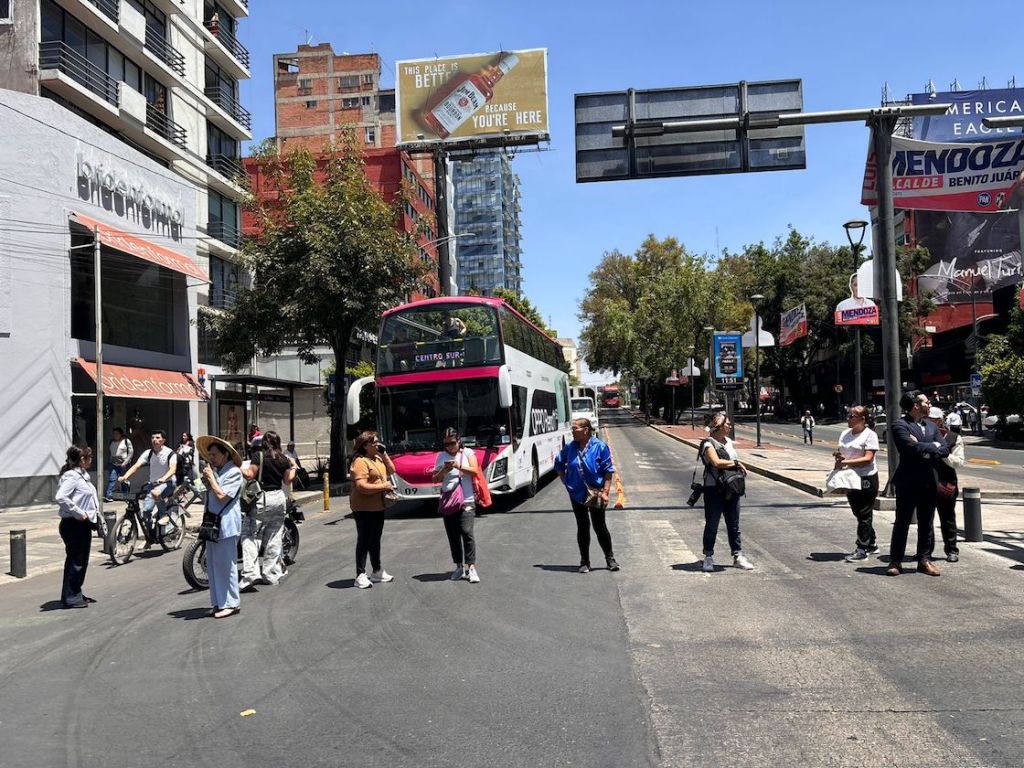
[252, 492]
[732, 482]
[209, 527]
[594, 499]
[451, 501]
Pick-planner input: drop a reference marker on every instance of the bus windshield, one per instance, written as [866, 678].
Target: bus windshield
[414, 417]
[434, 336]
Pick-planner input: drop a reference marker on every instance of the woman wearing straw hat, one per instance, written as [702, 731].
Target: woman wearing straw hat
[223, 479]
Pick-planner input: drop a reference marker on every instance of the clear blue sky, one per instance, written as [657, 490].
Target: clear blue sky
[601, 45]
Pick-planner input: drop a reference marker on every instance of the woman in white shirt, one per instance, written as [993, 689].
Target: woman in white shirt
[456, 466]
[858, 445]
[79, 512]
[717, 503]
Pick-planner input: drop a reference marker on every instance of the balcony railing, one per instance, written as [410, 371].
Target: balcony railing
[229, 104]
[229, 167]
[111, 8]
[62, 57]
[225, 232]
[157, 44]
[160, 123]
[229, 41]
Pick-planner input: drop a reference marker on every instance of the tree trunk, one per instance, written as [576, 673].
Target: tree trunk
[339, 452]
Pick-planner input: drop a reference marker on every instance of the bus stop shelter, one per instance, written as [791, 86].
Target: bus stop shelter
[236, 400]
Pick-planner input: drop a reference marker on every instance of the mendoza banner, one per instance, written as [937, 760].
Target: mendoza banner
[477, 96]
[948, 177]
[793, 325]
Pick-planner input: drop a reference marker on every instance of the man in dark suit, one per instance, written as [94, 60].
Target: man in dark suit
[919, 444]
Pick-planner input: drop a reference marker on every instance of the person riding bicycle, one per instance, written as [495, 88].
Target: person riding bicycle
[163, 463]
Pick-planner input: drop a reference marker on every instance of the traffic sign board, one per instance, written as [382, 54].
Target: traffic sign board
[975, 385]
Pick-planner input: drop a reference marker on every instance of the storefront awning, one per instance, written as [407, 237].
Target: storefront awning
[146, 383]
[145, 250]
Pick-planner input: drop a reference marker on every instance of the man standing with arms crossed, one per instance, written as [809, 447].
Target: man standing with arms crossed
[919, 444]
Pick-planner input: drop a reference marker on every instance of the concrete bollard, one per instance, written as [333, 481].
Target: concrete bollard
[327, 492]
[110, 521]
[19, 569]
[972, 514]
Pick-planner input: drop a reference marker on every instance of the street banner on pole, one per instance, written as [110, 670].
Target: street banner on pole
[498, 95]
[948, 177]
[793, 325]
[856, 310]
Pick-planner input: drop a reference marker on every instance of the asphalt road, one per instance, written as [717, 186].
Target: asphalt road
[980, 457]
[806, 660]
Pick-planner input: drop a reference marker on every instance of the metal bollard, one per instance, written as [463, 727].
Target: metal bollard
[110, 521]
[18, 556]
[327, 492]
[972, 514]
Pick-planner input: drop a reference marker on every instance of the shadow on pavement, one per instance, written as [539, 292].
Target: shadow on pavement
[190, 614]
[558, 568]
[695, 567]
[190, 591]
[827, 557]
[51, 605]
[879, 570]
[341, 584]
[1012, 547]
[428, 577]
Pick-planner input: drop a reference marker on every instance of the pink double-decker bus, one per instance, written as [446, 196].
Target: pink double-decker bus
[475, 364]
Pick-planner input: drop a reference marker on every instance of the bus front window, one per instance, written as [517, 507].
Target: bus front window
[415, 417]
[438, 336]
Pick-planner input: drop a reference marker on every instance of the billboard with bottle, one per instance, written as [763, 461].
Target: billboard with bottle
[483, 95]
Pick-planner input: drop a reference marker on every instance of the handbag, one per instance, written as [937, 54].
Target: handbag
[391, 497]
[594, 499]
[451, 501]
[481, 490]
[946, 490]
[842, 480]
[209, 528]
[252, 492]
[731, 482]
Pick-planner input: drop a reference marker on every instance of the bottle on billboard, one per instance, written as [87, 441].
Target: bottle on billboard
[464, 95]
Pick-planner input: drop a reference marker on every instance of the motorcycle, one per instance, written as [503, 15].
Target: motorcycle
[193, 561]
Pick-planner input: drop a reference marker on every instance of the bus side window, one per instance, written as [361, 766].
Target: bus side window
[519, 411]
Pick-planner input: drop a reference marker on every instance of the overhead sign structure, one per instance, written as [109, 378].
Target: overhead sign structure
[792, 325]
[948, 177]
[501, 96]
[728, 360]
[646, 151]
[963, 120]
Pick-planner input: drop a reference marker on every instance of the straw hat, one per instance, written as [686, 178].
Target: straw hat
[203, 443]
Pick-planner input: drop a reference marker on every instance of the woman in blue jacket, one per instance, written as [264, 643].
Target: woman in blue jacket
[223, 479]
[583, 464]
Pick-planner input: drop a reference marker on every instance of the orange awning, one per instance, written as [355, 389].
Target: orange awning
[148, 383]
[136, 246]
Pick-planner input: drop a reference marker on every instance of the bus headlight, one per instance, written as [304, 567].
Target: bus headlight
[499, 469]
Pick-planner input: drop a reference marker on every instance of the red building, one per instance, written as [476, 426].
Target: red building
[387, 170]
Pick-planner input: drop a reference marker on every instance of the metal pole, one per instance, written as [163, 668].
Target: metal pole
[881, 134]
[99, 450]
[757, 373]
[977, 344]
[444, 267]
[858, 392]
[693, 387]
[972, 515]
[673, 404]
[19, 568]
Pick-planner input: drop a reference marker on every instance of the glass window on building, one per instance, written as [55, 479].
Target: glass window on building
[348, 81]
[224, 281]
[219, 143]
[223, 218]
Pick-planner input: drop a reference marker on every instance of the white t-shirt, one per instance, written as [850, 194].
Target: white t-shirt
[854, 446]
[710, 445]
[449, 480]
[159, 463]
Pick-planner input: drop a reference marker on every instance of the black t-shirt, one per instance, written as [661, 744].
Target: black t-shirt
[273, 471]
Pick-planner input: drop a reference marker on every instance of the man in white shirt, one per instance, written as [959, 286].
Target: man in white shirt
[162, 463]
[120, 452]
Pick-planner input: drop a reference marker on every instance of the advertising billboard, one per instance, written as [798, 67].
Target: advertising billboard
[728, 362]
[477, 96]
[963, 120]
[949, 177]
[792, 325]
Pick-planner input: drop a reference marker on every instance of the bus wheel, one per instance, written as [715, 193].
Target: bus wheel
[531, 490]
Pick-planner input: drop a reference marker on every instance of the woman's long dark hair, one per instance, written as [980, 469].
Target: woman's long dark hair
[272, 445]
[75, 455]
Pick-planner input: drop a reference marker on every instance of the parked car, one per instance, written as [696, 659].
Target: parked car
[584, 408]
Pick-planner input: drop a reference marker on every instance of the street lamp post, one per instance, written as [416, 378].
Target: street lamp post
[757, 365]
[691, 372]
[859, 227]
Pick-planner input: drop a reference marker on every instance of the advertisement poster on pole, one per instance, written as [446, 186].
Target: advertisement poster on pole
[948, 177]
[476, 96]
[857, 309]
[793, 325]
[728, 362]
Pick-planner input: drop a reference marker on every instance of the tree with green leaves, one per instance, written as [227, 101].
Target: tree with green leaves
[1001, 363]
[331, 258]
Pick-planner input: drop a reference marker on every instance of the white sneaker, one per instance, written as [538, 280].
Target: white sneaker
[474, 577]
[362, 582]
[381, 576]
[457, 574]
[709, 564]
[740, 561]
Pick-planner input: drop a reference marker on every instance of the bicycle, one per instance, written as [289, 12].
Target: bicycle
[170, 535]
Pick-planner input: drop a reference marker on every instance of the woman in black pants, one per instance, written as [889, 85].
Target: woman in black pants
[370, 471]
[858, 445]
[79, 508]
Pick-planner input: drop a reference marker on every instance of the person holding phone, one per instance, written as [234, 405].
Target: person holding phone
[370, 469]
[858, 445]
[455, 465]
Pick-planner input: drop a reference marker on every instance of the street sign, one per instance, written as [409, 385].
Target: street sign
[975, 385]
[759, 144]
[728, 360]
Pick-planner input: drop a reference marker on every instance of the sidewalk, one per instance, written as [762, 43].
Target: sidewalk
[44, 548]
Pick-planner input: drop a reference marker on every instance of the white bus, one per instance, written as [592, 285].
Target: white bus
[475, 364]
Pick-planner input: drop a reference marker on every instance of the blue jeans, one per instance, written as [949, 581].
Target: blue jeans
[167, 490]
[114, 476]
[715, 505]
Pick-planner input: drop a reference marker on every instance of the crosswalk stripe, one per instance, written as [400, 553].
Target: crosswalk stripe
[665, 541]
